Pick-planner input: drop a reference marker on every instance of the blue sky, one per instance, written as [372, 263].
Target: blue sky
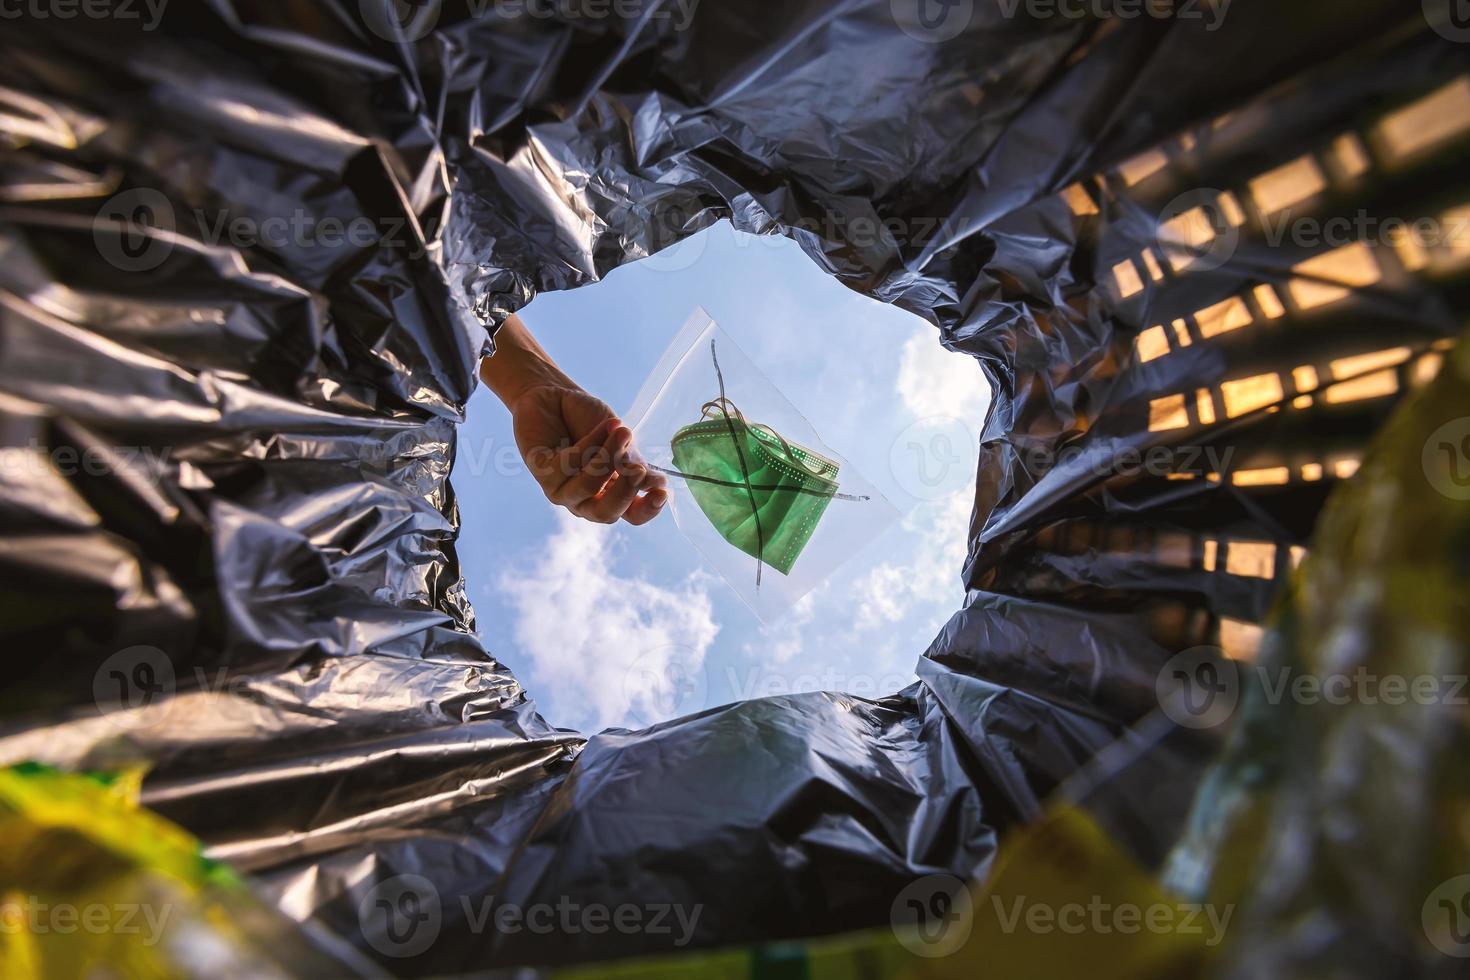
[623, 627]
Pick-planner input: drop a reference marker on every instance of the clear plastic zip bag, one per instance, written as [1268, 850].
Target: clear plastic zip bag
[751, 484]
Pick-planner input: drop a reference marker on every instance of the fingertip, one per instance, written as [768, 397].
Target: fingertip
[646, 508]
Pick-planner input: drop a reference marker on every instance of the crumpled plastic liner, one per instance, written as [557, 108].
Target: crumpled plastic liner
[271, 527]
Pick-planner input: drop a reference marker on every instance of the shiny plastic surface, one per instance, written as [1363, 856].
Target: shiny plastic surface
[251, 255]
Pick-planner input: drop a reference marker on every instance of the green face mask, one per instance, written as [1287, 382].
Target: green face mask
[762, 493]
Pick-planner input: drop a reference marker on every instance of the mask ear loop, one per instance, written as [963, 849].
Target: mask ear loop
[722, 401]
[725, 408]
[763, 487]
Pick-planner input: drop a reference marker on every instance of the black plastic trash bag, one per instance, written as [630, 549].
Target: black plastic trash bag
[253, 251]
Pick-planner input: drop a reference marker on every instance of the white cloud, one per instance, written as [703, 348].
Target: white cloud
[933, 381]
[612, 649]
[782, 641]
[940, 532]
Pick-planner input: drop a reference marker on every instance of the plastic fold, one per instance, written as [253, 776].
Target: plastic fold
[251, 255]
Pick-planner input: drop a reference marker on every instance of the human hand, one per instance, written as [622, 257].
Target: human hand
[581, 454]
